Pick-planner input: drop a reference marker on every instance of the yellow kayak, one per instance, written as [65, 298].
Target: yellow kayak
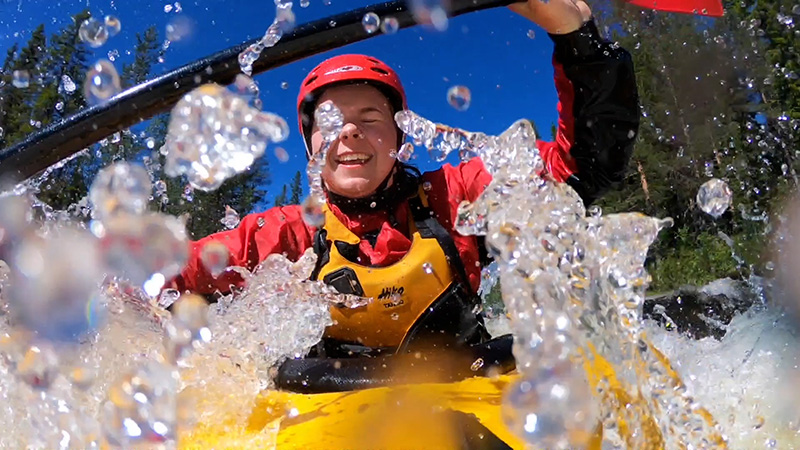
[403, 417]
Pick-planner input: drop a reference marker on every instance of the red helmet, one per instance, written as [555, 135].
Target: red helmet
[345, 69]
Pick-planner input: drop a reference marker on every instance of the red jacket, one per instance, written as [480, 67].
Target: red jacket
[598, 120]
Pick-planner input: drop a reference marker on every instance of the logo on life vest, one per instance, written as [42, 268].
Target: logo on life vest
[345, 69]
[393, 294]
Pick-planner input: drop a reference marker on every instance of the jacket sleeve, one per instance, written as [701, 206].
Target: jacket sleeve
[598, 113]
[277, 230]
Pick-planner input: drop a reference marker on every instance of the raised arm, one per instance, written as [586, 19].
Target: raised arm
[598, 100]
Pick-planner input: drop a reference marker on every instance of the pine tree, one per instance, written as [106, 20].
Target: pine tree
[147, 52]
[6, 93]
[64, 55]
[280, 199]
[19, 102]
[296, 189]
[69, 58]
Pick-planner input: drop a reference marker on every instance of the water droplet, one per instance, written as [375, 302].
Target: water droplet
[430, 12]
[141, 406]
[427, 268]
[281, 154]
[231, 219]
[188, 193]
[178, 28]
[168, 297]
[426, 186]
[60, 106]
[796, 10]
[113, 25]
[102, 82]
[371, 22]
[121, 187]
[93, 32]
[147, 250]
[215, 257]
[304, 3]
[785, 20]
[82, 377]
[260, 222]
[531, 34]
[330, 120]
[390, 25]
[284, 16]
[406, 152]
[67, 84]
[459, 97]
[160, 188]
[714, 197]
[395, 316]
[21, 79]
[39, 367]
[214, 134]
[167, 8]
[284, 85]
[550, 412]
[476, 365]
[373, 205]
[189, 326]
[313, 215]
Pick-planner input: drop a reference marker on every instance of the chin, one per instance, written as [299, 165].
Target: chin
[353, 188]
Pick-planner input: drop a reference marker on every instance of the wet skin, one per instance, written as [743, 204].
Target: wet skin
[362, 156]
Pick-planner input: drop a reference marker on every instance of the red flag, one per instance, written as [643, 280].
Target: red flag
[711, 8]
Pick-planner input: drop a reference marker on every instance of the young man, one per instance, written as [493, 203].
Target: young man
[388, 230]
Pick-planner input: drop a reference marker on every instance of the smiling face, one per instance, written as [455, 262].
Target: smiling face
[361, 158]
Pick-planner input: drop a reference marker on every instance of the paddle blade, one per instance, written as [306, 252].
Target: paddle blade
[711, 8]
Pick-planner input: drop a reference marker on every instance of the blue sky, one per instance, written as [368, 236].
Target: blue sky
[509, 74]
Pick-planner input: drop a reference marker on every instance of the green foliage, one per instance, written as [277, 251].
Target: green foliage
[147, 52]
[712, 106]
[296, 189]
[280, 199]
[25, 111]
[684, 264]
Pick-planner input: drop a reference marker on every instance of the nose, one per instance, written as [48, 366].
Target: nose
[350, 132]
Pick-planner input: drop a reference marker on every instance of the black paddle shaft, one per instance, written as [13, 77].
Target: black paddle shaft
[62, 139]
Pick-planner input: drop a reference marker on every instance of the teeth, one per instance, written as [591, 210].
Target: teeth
[353, 157]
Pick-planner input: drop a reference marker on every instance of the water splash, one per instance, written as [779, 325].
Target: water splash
[571, 284]
[120, 188]
[284, 22]
[330, 120]
[214, 134]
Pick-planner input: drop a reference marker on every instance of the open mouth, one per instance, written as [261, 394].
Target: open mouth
[353, 159]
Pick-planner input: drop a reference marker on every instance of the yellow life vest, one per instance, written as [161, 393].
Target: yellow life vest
[413, 297]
